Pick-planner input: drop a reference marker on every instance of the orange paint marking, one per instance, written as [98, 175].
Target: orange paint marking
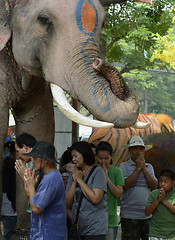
[101, 98]
[88, 17]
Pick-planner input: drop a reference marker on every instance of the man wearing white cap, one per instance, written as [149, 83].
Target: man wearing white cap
[139, 181]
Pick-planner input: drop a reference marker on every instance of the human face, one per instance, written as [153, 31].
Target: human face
[104, 158]
[136, 151]
[166, 184]
[77, 159]
[22, 150]
[37, 163]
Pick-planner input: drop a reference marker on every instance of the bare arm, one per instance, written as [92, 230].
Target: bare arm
[129, 181]
[141, 165]
[140, 162]
[152, 183]
[116, 190]
[34, 208]
[170, 206]
[30, 182]
[93, 195]
[70, 195]
[150, 209]
[162, 198]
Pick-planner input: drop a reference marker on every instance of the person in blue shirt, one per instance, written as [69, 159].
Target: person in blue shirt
[48, 204]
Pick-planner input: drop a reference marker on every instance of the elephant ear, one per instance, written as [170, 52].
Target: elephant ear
[5, 32]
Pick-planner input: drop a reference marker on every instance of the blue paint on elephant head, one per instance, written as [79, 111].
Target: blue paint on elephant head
[118, 119]
[89, 70]
[83, 50]
[90, 59]
[106, 104]
[80, 19]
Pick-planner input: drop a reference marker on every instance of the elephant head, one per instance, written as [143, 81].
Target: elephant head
[59, 40]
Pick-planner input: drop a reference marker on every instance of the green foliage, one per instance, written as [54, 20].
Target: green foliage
[129, 38]
[160, 89]
[127, 35]
[165, 46]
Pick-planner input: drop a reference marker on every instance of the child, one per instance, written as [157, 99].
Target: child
[161, 204]
[115, 182]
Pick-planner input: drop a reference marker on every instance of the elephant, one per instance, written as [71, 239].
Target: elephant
[117, 137]
[48, 47]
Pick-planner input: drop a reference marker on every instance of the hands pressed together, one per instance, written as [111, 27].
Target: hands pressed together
[140, 162]
[30, 180]
[20, 167]
[161, 196]
[105, 169]
[76, 173]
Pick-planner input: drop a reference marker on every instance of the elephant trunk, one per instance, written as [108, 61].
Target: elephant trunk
[113, 76]
[98, 86]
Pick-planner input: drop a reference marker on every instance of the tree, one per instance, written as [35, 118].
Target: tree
[152, 91]
[128, 39]
[127, 35]
[166, 46]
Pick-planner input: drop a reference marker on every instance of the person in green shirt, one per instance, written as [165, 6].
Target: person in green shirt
[115, 181]
[161, 204]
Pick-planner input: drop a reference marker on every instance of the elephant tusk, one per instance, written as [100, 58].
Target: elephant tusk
[141, 125]
[171, 128]
[71, 113]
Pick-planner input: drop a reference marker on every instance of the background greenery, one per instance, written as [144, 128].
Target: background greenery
[131, 34]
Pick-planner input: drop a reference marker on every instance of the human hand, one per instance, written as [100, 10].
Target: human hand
[140, 161]
[161, 195]
[76, 173]
[26, 186]
[105, 169]
[30, 179]
[20, 168]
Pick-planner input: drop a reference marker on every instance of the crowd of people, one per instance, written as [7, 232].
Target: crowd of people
[79, 201]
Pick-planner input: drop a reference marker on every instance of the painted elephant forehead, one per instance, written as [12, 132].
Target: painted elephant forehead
[86, 16]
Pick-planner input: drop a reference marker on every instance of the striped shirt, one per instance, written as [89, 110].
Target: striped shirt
[135, 198]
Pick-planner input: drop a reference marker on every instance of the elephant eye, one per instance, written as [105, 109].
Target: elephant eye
[44, 20]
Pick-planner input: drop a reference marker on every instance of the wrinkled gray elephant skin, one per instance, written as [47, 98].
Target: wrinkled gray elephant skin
[54, 41]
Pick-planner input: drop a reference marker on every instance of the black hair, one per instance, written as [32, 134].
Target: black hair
[10, 145]
[84, 148]
[26, 139]
[66, 158]
[92, 145]
[168, 173]
[104, 146]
